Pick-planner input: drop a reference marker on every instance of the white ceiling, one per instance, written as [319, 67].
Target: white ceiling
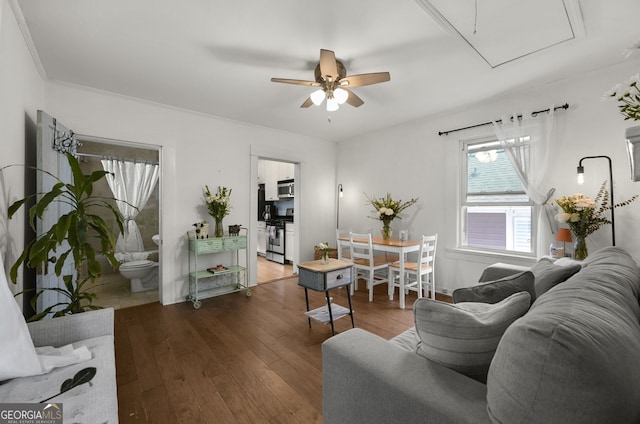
[217, 57]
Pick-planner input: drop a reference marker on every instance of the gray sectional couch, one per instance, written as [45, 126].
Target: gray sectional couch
[89, 403]
[572, 357]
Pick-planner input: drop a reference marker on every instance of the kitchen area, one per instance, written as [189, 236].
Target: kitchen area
[276, 193]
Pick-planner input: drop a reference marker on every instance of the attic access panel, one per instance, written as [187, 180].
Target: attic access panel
[506, 30]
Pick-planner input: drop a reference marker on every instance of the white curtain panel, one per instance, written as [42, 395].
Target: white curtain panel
[131, 183]
[530, 160]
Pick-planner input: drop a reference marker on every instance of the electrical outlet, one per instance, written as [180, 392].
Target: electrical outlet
[445, 290]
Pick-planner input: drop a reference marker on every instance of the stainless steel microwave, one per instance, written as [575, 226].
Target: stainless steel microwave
[285, 189]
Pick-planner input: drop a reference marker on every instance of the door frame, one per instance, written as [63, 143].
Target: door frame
[268, 153]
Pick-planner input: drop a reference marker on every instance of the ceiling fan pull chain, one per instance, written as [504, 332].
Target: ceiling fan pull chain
[475, 18]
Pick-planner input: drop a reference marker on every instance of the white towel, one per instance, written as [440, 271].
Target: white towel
[51, 357]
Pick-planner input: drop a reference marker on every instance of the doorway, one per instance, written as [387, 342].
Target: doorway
[276, 220]
[129, 159]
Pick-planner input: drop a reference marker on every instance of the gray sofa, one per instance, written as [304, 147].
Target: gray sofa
[92, 403]
[573, 357]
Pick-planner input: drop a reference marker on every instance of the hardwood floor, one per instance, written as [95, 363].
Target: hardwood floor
[237, 359]
[269, 271]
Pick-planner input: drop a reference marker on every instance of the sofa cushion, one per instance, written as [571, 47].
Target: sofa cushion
[500, 270]
[87, 403]
[407, 340]
[464, 336]
[495, 291]
[549, 274]
[573, 358]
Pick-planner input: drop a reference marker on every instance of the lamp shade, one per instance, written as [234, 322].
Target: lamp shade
[564, 235]
[317, 97]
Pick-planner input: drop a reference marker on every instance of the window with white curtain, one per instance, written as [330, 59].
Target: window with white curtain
[496, 213]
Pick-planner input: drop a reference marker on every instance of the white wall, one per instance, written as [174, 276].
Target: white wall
[21, 95]
[413, 160]
[198, 150]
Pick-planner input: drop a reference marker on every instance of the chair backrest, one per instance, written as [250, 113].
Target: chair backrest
[343, 245]
[428, 251]
[361, 246]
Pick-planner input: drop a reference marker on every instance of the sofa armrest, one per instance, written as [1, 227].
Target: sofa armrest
[367, 379]
[72, 328]
[500, 270]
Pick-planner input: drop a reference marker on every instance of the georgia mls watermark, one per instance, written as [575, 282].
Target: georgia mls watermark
[30, 413]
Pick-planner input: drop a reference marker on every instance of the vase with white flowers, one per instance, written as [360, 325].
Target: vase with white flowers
[324, 248]
[584, 216]
[219, 206]
[388, 210]
[627, 95]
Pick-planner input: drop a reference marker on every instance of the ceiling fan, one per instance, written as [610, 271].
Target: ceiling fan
[334, 85]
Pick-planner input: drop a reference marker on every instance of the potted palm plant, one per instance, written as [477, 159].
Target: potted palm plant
[71, 237]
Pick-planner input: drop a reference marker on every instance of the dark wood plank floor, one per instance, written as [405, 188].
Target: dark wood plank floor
[237, 359]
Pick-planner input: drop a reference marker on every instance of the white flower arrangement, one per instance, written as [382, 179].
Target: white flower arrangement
[627, 94]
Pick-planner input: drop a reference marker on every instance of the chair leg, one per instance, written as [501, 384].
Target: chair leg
[433, 286]
[419, 285]
[390, 284]
[370, 285]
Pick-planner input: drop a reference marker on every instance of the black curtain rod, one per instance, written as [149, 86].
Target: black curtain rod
[564, 106]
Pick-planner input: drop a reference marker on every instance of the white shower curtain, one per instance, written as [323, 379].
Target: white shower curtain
[132, 183]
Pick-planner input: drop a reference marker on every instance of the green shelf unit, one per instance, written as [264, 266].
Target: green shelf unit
[227, 248]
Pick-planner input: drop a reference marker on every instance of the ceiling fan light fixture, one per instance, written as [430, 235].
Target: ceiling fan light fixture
[332, 105]
[340, 95]
[317, 97]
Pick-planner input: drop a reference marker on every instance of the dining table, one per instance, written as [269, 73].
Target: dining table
[393, 246]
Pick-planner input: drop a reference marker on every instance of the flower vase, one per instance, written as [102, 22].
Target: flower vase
[219, 230]
[386, 230]
[580, 248]
[325, 257]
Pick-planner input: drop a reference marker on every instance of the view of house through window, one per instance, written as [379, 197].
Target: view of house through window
[496, 211]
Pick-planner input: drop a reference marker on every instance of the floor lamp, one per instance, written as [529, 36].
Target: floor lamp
[581, 180]
[340, 194]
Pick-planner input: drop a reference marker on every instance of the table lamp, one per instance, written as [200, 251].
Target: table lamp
[564, 235]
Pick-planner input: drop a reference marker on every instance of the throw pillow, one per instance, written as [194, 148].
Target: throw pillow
[495, 291]
[464, 336]
[18, 357]
[548, 274]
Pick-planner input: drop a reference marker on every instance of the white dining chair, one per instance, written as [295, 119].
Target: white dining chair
[418, 275]
[344, 252]
[373, 269]
[343, 245]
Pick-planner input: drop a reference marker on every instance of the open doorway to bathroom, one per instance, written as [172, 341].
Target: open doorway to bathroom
[135, 178]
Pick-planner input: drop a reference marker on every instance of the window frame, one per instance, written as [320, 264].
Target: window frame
[464, 204]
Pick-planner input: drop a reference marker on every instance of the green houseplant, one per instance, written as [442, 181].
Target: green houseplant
[72, 234]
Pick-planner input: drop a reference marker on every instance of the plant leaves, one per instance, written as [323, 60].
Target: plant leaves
[83, 376]
[62, 227]
[49, 197]
[16, 205]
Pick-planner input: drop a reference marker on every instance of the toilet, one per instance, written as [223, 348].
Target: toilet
[143, 274]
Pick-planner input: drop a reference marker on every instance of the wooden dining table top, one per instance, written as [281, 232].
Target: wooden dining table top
[382, 242]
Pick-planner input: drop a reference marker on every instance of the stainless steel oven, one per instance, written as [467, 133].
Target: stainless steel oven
[285, 189]
[275, 241]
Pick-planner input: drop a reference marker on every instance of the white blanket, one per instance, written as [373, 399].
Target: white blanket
[18, 356]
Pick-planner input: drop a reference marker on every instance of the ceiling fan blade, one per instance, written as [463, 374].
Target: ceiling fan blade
[328, 66]
[307, 102]
[364, 79]
[353, 100]
[295, 81]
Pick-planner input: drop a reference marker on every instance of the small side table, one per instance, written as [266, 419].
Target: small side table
[321, 277]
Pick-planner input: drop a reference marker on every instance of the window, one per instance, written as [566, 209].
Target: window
[495, 210]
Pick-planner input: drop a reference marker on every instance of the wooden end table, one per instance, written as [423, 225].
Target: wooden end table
[321, 277]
